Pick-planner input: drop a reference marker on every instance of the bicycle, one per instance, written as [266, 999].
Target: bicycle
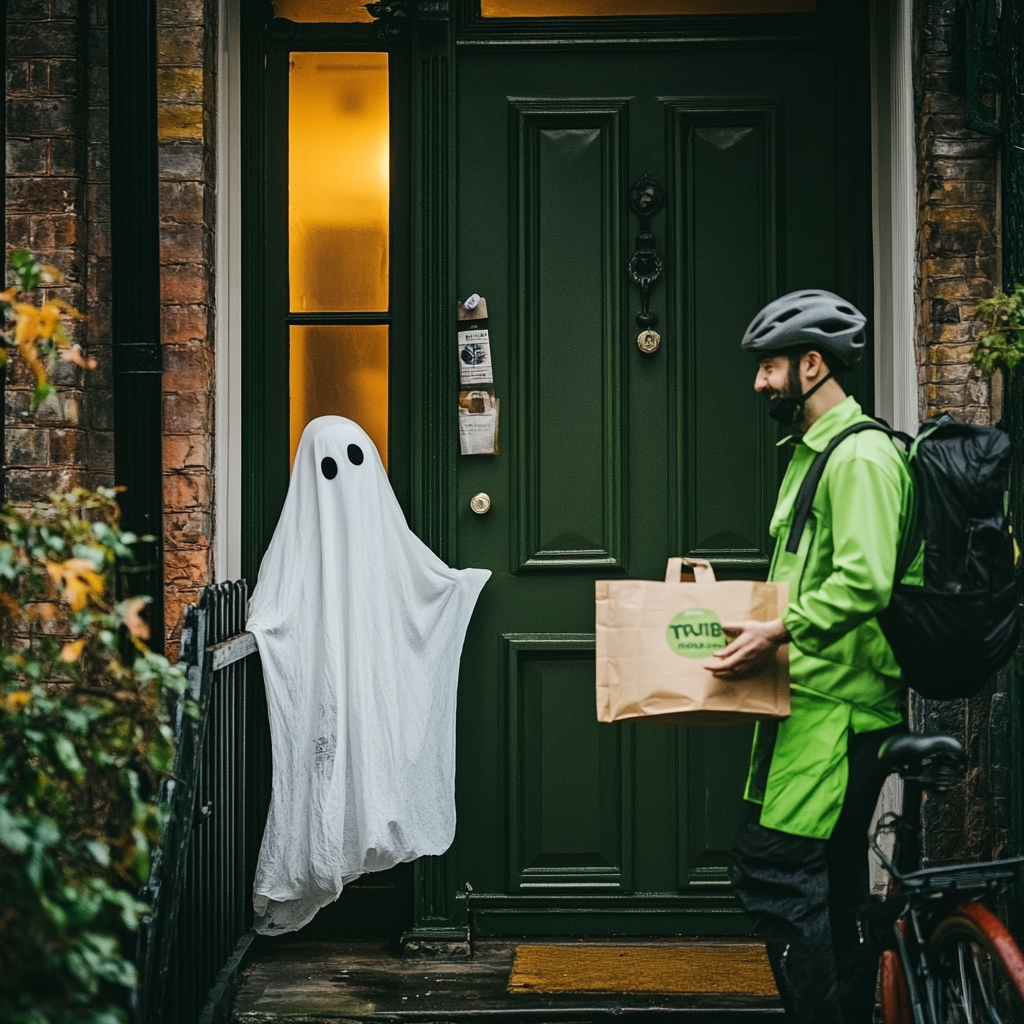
[945, 957]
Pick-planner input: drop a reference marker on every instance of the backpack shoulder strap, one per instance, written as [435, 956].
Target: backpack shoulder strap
[809, 485]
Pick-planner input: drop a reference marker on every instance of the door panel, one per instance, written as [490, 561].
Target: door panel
[725, 197]
[568, 826]
[568, 376]
[611, 460]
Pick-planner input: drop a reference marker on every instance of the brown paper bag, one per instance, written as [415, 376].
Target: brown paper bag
[653, 639]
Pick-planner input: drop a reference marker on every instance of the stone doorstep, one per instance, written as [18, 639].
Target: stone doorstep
[321, 982]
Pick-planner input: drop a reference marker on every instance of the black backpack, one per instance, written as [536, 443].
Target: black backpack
[952, 634]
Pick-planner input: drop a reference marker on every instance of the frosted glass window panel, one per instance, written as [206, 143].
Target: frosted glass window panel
[635, 8]
[322, 10]
[339, 371]
[338, 182]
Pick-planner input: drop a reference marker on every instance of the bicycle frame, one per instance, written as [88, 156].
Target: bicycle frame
[919, 898]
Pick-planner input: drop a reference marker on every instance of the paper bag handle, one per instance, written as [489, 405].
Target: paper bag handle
[699, 568]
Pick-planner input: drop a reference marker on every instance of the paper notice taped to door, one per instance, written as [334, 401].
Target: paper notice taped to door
[475, 357]
[478, 423]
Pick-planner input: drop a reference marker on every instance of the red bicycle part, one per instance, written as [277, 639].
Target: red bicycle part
[1002, 941]
[895, 998]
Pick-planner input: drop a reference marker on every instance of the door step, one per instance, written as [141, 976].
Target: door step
[319, 982]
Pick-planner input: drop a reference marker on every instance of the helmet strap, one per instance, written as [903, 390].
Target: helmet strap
[788, 409]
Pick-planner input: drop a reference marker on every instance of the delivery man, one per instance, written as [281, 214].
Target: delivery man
[800, 863]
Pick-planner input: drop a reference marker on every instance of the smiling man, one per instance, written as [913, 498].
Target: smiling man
[799, 866]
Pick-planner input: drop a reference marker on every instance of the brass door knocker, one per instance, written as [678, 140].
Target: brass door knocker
[645, 264]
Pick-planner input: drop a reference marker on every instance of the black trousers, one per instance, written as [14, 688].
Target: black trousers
[802, 895]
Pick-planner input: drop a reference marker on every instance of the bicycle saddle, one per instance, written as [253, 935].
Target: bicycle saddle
[909, 751]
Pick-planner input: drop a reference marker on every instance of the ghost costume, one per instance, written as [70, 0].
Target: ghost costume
[360, 629]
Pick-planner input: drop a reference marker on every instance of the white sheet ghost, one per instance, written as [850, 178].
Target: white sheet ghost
[360, 629]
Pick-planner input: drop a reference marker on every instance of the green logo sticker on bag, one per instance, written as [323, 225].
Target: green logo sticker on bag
[696, 633]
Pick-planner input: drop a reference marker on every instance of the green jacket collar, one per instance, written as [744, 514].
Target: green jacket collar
[837, 419]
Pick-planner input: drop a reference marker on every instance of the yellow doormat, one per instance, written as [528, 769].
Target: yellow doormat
[707, 969]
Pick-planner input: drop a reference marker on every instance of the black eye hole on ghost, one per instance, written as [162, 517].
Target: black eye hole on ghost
[355, 455]
[329, 468]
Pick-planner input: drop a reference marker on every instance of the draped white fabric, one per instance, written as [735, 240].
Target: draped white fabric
[360, 629]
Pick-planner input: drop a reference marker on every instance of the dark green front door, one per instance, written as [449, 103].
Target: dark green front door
[612, 460]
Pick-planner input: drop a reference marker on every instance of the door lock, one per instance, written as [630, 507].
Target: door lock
[480, 503]
[648, 341]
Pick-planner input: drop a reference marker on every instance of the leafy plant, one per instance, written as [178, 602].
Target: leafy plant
[37, 333]
[84, 740]
[1000, 345]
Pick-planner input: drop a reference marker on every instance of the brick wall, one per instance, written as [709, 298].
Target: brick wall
[958, 248]
[58, 205]
[958, 261]
[186, 86]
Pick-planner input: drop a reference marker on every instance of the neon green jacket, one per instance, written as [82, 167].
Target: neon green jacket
[843, 674]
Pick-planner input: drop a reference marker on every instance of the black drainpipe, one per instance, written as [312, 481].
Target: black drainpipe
[135, 270]
[3, 251]
[1011, 80]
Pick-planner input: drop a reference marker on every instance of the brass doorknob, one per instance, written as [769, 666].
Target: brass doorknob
[480, 503]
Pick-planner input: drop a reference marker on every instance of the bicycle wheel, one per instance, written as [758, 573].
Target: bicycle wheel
[978, 968]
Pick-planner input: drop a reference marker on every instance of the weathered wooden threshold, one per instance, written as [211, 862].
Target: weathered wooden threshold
[325, 982]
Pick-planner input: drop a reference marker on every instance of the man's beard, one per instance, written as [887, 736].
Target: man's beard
[788, 407]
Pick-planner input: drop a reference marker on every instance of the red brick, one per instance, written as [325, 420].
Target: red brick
[182, 243]
[188, 452]
[55, 231]
[187, 412]
[182, 202]
[68, 447]
[27, 446]
[185, 492]
[184, 283]
[175, 602]
[188, 367]
[950, 373]
[179, 45]
[180, 324]
[188, 529]
[34, 485]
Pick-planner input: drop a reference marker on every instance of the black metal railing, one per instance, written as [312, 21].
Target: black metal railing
[201, 885]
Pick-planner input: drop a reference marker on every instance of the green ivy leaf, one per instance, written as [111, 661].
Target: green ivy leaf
[27, 267]
[68, 756]
[41, 392]
[100, 852]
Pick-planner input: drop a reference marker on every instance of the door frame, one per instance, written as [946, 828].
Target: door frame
[245, 368]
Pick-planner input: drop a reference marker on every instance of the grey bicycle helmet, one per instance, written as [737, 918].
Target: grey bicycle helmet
[808, 317]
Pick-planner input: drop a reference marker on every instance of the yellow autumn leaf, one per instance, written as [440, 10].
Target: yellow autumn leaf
[49, 317]
[14, 702]
[9, 294]
[26, 328]
[80, 581]
[72, 651]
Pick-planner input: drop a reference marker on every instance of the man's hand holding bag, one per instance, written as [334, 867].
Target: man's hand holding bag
[654, 639]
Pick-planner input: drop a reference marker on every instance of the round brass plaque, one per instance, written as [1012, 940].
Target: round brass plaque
[480, 503]
[648, 341]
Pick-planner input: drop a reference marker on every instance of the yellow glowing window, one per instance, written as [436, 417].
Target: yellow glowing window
[338, 240]
[321, 10]
[338, 187]
[634, 8]
[340, 370]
